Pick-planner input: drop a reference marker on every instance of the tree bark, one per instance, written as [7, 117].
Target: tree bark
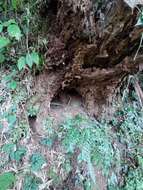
[91, 45]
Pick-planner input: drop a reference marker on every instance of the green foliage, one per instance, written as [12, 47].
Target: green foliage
[10, 80]
[9, 30]
[37, 161]
[2, 58]
[93, 141]
[8, 148]
[18, 154]
[31, 183]
[18, 132]
[130, 133]
[133, 180]
[16, 4]
[8, 23]
[52, 174]
[21, 63]
[4, 42]
[131, 129]
[12, 37]
[88, 185]
[7, 179]
[97, 144]
[48, 124]
[32, 110]
[13, 152]
[11, 118]
[30, 59]
[115, 147]
[14, 31]
[35, 58]
[48, 142]
[12, 85]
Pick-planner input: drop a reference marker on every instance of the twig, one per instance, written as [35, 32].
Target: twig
[139, 92]
[140, 45]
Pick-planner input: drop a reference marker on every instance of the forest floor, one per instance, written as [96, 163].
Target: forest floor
[68, 150]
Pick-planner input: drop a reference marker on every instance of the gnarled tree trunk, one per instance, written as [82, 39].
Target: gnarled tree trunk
[91, 46]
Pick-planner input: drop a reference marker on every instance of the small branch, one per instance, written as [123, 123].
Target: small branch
[140, 45]
[139, 92]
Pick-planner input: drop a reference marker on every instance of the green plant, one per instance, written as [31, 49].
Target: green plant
[14, 31]
[93, 141]
[48, 124]
[48, 142]
[37, 161]
[4, 42]
[29, 60]
[18, 154]
[7, 179]
[52, 174]
[128, 126]
[10, 31]
[115, 148]
[8, 148]
[31, 182]
[16, 4]
[133, 180]
[13, 152]
[6, 38]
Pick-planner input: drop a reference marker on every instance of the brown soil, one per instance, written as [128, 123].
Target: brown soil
[65, 104]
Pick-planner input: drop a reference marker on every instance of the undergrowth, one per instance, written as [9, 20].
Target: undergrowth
[114, 147]
[76, 148]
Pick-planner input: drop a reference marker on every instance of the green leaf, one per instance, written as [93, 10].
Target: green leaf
[2, 58]
[31, 183]
[47, 142]
[8, 148]
[21, 63]
[35, 57]
[37, 161]
[29, 60]
[12, 85]
[7, 23]
[14, 31]
[18, 154]
[11, 120]
[6, 180]
[15, 4]
[4, 42]
[140, 161]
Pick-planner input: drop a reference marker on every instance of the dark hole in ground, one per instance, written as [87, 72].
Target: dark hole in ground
[66, 97]
[32, 120]
[50, 7]
[53, 6]
[96, 61]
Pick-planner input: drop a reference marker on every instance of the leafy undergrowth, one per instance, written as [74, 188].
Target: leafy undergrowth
[72, 154]
[73, 149]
